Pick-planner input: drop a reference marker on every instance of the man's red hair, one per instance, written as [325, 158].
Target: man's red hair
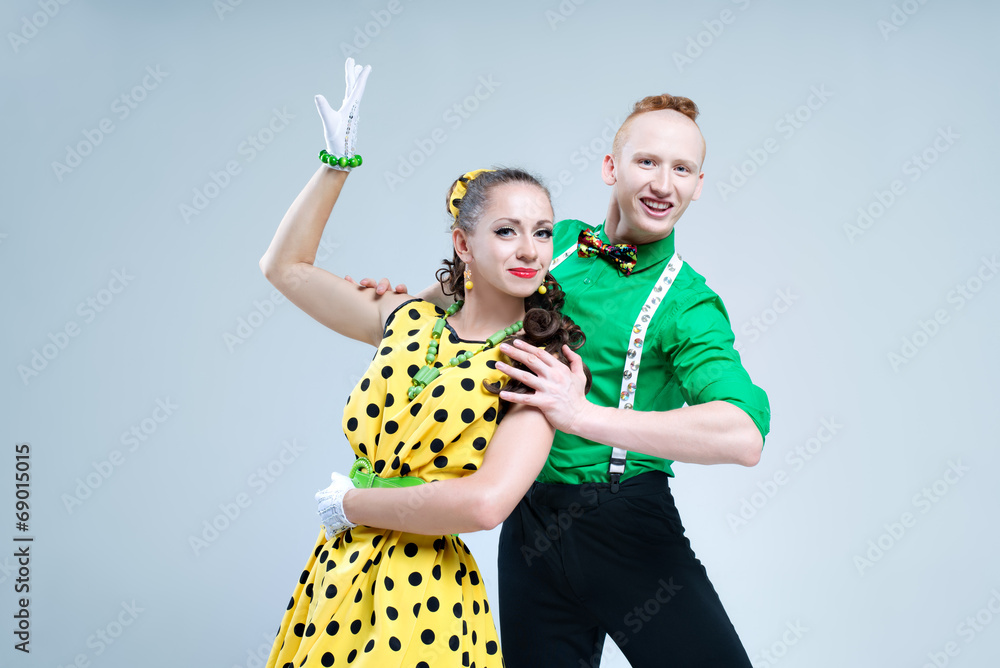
[654, 103]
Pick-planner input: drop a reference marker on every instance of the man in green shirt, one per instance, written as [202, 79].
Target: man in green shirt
[597, 547]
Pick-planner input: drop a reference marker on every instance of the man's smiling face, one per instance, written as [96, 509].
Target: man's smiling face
[656, 175]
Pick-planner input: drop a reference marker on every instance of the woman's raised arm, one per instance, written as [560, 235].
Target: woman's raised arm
[288, 262]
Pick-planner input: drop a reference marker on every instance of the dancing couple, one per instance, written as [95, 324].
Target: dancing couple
[509, 391]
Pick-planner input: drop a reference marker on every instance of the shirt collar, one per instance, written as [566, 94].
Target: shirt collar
[648, 254]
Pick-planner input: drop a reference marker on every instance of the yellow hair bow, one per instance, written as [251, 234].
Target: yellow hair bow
[460, 189]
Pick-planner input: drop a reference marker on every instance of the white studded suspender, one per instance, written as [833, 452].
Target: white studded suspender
[556, 261]
[630, 373]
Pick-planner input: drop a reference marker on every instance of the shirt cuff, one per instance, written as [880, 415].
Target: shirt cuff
[748, 397]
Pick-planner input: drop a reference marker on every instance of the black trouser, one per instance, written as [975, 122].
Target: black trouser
[578, 562]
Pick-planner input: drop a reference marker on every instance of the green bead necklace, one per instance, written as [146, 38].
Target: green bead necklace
[428, 373]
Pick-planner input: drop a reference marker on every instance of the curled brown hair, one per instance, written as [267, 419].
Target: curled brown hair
[544, 324]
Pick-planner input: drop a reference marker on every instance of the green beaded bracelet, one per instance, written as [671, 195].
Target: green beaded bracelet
[330, 159]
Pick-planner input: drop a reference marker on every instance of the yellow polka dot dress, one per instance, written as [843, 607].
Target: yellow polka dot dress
[387, 599]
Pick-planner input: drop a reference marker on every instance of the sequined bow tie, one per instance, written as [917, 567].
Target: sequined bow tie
[623, 256]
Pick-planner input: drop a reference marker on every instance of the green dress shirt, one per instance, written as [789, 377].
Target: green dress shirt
[688, 355]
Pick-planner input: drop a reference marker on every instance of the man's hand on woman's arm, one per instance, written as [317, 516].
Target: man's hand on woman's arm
[432, 293]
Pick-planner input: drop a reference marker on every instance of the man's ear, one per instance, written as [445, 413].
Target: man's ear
[697, 190]
[608, 168]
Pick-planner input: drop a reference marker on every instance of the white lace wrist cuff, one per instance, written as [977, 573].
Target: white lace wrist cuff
[331, 510]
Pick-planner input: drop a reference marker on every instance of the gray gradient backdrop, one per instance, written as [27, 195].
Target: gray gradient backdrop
[844, 220]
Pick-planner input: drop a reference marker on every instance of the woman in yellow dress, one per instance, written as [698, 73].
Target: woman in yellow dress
[427, 409]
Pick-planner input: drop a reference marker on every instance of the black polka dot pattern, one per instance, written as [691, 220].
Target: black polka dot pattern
[371, 597]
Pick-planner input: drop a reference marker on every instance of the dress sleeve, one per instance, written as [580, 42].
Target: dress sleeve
[415, 310]
[698, 342]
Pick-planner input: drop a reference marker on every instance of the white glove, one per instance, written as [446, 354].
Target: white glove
[331, 505]
[341, 126]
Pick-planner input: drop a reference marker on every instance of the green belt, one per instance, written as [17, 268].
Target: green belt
[369, 479]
